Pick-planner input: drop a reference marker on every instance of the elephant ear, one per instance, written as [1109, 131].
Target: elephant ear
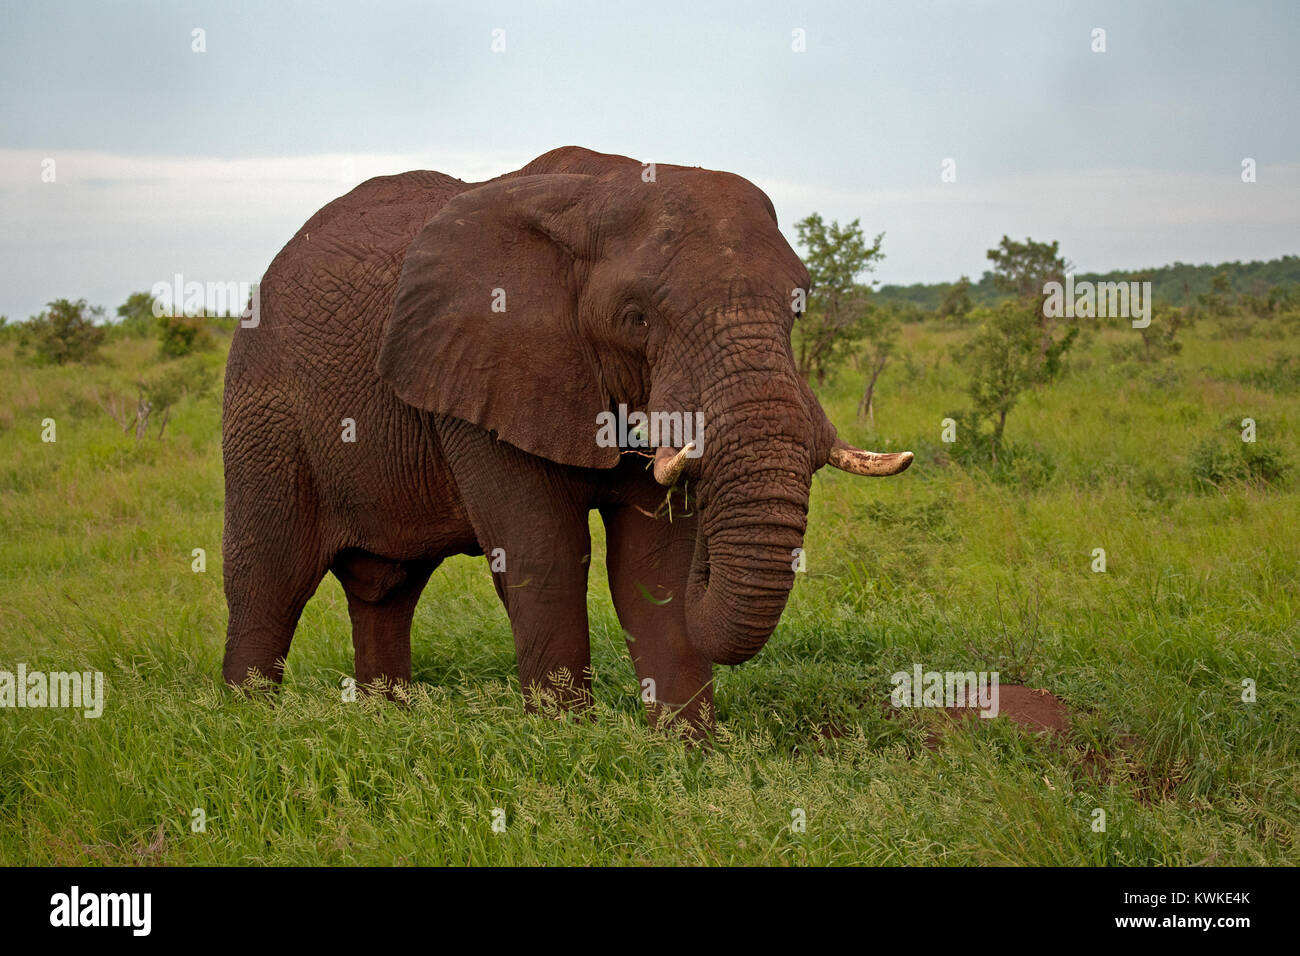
[484, 324]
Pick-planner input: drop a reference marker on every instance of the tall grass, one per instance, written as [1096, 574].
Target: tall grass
[949, 567]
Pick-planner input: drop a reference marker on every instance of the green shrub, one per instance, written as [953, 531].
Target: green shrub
[65, 332]
[182, 335]
[1281, 375]
[1014, 463]
[1264, 464]
[1160, 338]
[1213, 465]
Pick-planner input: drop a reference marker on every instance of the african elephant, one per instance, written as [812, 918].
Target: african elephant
[427, 377]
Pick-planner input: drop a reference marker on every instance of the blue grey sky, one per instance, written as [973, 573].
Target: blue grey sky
[172, 161]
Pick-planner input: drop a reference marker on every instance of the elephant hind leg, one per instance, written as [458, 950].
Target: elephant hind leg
[273, 561]
[382, 595]
[266, 596]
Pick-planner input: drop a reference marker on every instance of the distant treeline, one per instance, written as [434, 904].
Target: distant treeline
[1178, 284]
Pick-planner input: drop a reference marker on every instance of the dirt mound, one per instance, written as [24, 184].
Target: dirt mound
[1038, 711]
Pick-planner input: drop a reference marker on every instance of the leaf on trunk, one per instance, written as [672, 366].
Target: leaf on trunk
[645, 593]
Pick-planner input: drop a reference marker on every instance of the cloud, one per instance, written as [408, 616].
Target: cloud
[1106, 218]
[111, 224]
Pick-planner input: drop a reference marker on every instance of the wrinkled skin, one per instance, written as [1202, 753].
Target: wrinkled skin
[475, 429]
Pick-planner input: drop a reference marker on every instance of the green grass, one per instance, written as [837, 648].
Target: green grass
[944, 566]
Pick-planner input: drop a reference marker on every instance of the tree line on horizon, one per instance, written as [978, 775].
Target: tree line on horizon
[1177, 284]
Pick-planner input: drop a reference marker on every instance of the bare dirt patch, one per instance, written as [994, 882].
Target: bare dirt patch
[1037, 711]
[1033, 709]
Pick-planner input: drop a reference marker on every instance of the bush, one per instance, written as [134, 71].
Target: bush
[65, 332]
[1213, 465]
[1281, 375]
[1160, 338]
[1015, 463]
[1233, 326]
[1264, 464]
[1018, 464]
[180, 335]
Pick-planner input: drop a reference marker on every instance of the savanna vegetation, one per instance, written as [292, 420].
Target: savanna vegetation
[1038, 443]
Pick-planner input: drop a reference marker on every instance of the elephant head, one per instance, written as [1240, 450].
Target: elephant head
[531, 304]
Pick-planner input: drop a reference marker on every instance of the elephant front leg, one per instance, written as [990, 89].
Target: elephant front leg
[649, 560]
[530, 518]
[541, 578]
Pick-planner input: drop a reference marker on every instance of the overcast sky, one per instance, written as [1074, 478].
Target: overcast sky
[172, 161]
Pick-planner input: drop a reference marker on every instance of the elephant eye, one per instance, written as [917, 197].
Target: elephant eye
[635, 317]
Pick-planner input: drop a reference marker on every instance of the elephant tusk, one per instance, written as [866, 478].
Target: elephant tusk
[858, 462]
[669, 466]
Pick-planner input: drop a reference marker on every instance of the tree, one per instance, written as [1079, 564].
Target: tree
[1001, 358]
[956, 303]
[881, 331]
[1023, 269]
[1281, 298]
[136, 315]
[65, 332]
[836, 309]
[1159, 339]
[1215, 301]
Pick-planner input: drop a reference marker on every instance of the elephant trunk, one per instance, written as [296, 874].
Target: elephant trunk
[756, 470]
[740, 581]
